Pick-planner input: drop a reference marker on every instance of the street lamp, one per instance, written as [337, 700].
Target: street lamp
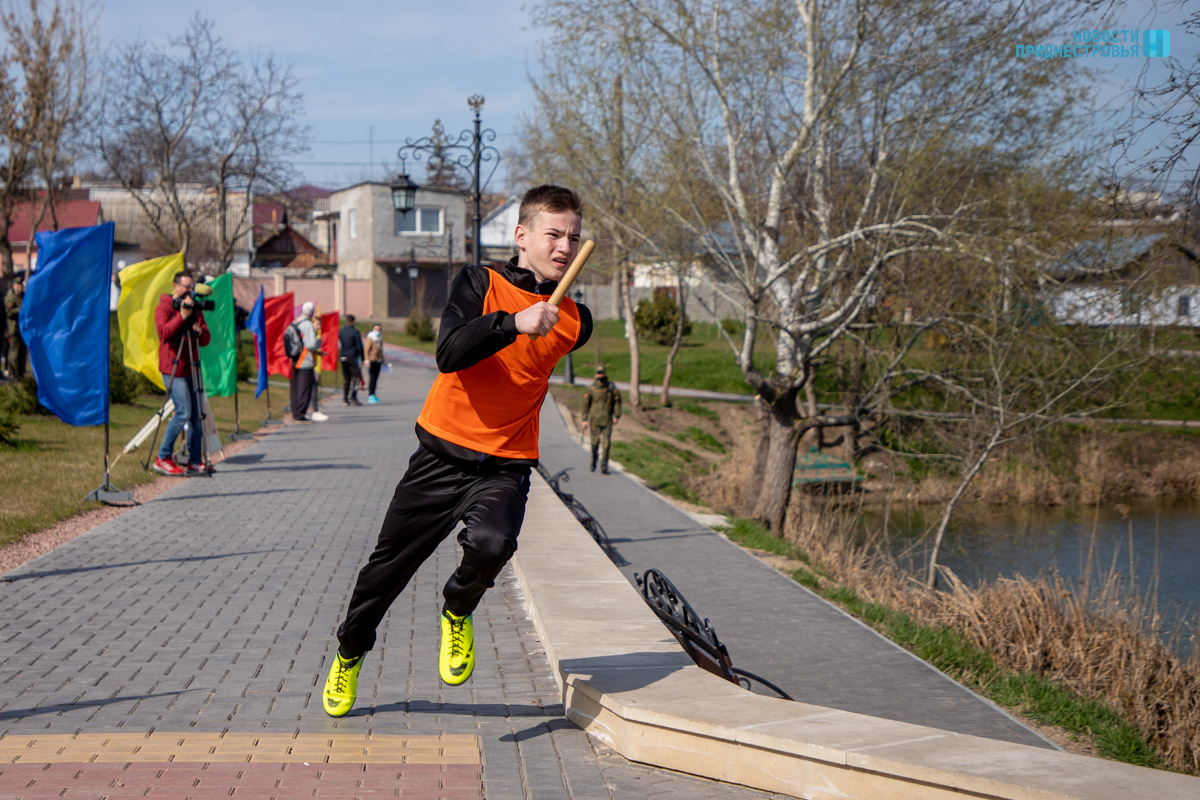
[404, 192]
[413, 274]
[467, 152]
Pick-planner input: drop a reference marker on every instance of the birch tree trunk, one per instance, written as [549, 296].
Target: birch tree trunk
[631, 334]
[677, 342]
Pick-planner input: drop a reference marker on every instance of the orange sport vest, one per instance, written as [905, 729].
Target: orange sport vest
[493, 406]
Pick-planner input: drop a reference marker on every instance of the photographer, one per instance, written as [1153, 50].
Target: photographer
[181, 331]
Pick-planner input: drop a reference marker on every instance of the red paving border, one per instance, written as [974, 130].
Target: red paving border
[350, 766]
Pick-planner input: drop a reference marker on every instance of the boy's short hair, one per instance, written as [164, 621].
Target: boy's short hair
[350, 318]
[548, 197]
[179, 276]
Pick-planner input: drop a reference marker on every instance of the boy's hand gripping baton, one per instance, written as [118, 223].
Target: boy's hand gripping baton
[585, 252]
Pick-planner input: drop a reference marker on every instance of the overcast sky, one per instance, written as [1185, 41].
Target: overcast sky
[374, 72]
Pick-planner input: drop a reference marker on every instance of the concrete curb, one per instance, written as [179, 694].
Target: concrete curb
[626, 681]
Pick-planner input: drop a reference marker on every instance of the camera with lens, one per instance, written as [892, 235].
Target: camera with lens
[198, 296]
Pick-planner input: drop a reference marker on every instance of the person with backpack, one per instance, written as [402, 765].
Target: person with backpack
[302, 346]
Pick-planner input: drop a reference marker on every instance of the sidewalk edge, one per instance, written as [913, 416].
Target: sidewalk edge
[627, 683]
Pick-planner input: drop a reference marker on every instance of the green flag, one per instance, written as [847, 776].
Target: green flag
[218, 361]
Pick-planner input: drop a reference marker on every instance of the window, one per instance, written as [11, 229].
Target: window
[1184, 309]
[352, 223]
[422, 220]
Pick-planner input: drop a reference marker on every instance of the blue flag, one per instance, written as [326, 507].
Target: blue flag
[64, 320]
[256, 323]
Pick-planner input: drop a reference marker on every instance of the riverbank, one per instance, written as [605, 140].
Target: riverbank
[1083, 658]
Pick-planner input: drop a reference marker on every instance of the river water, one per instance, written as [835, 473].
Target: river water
[1157, 542]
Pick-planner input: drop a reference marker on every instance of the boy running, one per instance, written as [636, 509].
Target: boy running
[478, 439]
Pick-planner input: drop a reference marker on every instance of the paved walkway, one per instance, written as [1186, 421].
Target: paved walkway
[772, 626]
[181, 648]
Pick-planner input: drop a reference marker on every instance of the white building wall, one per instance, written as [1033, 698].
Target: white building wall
[1101, 305]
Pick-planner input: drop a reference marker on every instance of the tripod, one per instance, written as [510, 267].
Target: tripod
[197, 394]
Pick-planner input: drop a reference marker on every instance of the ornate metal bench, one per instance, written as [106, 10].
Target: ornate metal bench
[581, 513]
[697, 636]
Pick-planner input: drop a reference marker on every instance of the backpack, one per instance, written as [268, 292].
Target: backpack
[293, 342]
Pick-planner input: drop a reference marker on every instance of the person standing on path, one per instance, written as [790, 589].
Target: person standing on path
[601, 410]
[17, 351]
[303, 370]
[478, 439]
[374, 355]
[350, 353]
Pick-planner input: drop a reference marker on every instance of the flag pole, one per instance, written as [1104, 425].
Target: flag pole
[238, 434]
[268, 420]
[106, 492]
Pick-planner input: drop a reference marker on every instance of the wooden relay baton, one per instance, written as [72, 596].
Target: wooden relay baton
[585, 252]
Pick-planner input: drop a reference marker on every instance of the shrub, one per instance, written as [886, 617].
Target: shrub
[243, 364]
[731, 326]
[12, 400]
[122, 381]
[657, 318]
[21, 398]
[419, 326]
[8, 428]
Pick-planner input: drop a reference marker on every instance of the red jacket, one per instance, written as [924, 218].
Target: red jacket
[171, 328]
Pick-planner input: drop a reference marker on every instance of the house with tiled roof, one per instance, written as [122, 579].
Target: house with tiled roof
[71, 212]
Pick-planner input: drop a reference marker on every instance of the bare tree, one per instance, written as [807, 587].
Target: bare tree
[587, 145]
[440, 171]
[251, 139]
[189, 127]
[795, 137]
[677, 339]
[42, 94]
[1173, 105]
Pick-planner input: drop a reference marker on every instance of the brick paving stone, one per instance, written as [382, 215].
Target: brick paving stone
[211, 610]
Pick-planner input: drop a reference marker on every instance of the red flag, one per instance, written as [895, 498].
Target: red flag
[278, 311]
[329, 341]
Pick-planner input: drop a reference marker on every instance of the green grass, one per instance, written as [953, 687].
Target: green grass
[662, 466]
[701, 438]
[698, 410]
[55, 465]
[703, 362]
[952, 652]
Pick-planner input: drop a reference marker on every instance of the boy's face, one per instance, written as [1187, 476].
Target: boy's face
[549, 244]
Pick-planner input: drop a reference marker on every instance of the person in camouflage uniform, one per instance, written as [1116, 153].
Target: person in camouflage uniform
[17, 352]
[601, 410]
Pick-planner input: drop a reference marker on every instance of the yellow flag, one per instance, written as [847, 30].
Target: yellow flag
[142, 286]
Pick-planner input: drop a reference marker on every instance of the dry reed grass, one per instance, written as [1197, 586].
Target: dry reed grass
[1098, 637]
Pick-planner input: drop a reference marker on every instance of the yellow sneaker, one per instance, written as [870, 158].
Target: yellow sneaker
[456, 658]
[341, 687]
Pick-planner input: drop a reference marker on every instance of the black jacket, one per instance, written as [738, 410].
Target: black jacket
[467, 336]
[350, 344]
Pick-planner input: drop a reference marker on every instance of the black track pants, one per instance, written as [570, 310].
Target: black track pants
[431, 498]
